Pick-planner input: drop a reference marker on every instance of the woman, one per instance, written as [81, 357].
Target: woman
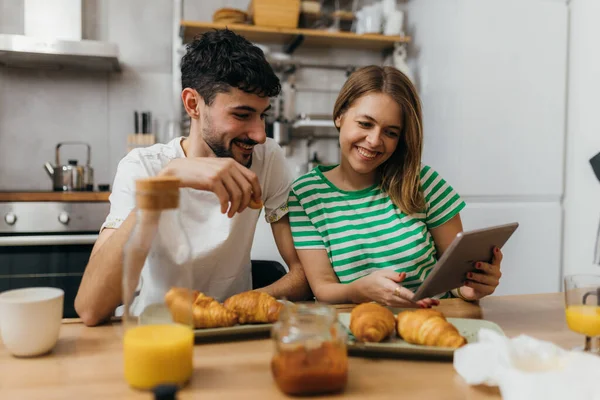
[372, 227]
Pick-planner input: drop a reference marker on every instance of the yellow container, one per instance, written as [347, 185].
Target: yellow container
[275, 13]
[158, 354]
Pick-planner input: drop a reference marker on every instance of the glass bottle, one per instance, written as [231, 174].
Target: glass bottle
[158, 298]
[310, 350]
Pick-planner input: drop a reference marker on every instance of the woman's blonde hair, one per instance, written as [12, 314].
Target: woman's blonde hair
[400, 174]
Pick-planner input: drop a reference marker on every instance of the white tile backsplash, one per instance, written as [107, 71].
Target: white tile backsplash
[40, 108]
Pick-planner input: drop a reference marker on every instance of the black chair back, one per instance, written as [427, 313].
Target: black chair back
[266, 272]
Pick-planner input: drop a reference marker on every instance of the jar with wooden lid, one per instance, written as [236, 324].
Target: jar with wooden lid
[310, 350]
[158, 297]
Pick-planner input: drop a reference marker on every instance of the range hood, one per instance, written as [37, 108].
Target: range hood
[39, 53]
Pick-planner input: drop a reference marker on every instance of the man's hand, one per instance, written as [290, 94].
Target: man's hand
[234, 184]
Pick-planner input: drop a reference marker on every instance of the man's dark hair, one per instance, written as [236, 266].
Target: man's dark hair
[220, 59]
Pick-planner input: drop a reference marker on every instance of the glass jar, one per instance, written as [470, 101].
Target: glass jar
[310, 350]
[158, 299]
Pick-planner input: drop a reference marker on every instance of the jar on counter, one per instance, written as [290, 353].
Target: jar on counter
[310, 350]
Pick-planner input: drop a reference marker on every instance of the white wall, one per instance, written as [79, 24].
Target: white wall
[582, 194]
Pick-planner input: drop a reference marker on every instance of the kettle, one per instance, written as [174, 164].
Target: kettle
[71, 177]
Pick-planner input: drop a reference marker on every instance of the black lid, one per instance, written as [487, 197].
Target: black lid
[165, 392]
[104, 187]
[72, 162]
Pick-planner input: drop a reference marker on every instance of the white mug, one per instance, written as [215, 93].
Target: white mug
[394, 23]
[373, 18]
[388, 6]
[360, 22]
[30, 320]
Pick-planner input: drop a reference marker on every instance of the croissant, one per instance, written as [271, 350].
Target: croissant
[179, 301]
[254, 307]
[206, 311]
[371, 322]
[255, 205]
[428, 327]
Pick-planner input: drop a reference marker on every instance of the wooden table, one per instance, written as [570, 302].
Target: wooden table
[87, 362]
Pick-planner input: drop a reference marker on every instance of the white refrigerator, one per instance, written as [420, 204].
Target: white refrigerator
[493, 75]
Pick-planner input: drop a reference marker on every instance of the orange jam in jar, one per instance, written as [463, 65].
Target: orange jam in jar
[310, 351]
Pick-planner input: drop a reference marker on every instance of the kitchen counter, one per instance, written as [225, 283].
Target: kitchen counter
[87, 362]
[54, 196]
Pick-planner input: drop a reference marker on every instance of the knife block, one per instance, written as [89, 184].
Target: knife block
[135, 140]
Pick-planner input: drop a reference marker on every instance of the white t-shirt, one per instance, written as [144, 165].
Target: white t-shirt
[220, 246]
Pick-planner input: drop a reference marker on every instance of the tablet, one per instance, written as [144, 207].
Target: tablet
[465, 250]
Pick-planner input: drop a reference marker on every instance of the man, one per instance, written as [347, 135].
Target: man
[226, 162]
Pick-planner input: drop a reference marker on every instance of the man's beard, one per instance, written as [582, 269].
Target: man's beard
[221, 150]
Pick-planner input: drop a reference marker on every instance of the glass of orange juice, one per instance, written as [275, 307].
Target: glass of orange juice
[582, 308]
[158, 342]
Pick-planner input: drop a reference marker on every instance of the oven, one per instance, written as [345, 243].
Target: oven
[48, 244]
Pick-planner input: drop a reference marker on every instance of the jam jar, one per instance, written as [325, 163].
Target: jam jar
[310, 350]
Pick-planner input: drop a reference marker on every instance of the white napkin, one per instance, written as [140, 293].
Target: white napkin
[525, 368]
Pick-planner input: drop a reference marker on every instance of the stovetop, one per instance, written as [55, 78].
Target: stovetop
[19, 217]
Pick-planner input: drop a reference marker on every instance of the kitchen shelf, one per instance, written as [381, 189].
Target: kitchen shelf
[284, 36]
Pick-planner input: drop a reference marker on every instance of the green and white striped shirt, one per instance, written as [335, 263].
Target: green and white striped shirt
[363, 230]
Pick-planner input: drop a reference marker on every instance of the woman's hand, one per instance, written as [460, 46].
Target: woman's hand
[383, 287]
[484, 280]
